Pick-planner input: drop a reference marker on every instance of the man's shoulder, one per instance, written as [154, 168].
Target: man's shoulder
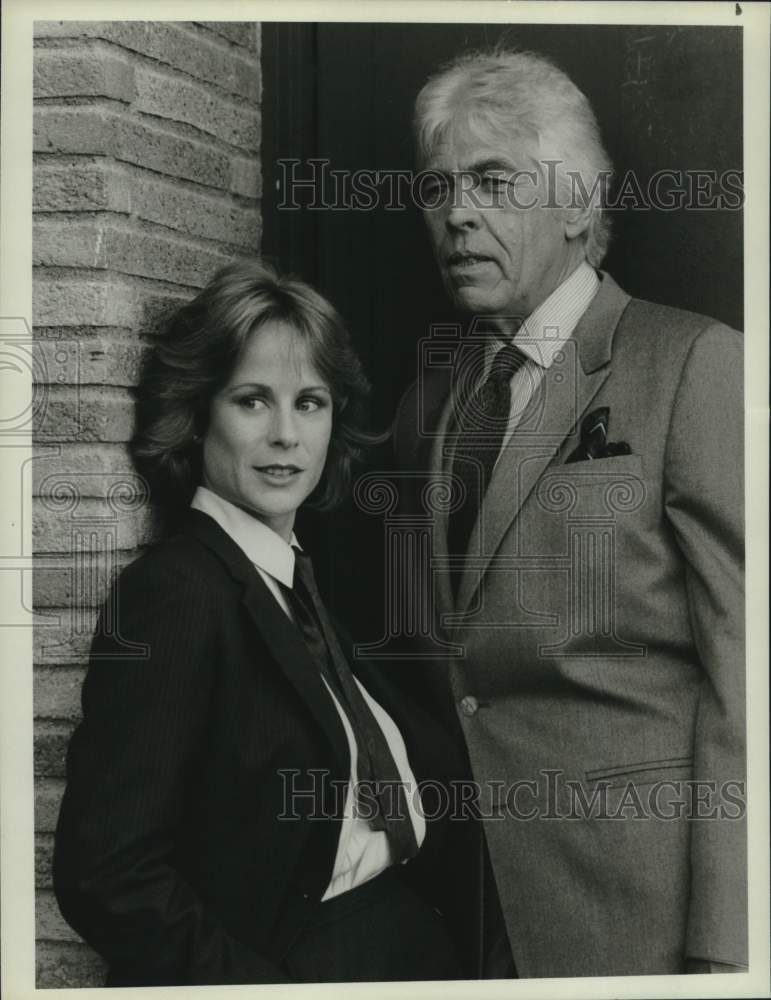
[654, 318]
[670, 334]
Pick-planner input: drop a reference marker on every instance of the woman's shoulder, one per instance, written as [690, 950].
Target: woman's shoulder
[179, 559]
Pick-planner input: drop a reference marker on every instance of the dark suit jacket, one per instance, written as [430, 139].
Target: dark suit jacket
[600, 623]
[180, 855]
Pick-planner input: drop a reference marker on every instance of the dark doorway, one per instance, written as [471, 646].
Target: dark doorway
[667, 98]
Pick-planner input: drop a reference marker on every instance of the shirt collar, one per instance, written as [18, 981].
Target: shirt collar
[549, 325]
[266, 549]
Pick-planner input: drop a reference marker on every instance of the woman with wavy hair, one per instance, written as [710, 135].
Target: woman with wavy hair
[246, 803]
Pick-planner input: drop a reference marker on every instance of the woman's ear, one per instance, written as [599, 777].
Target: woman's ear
[199, 419]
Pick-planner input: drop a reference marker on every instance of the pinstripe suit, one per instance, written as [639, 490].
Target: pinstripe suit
[201, 712]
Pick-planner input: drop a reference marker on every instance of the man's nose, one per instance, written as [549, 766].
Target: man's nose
[463, 207]
[283, 428]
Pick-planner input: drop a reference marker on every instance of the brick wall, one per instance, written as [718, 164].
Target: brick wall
[146, 180]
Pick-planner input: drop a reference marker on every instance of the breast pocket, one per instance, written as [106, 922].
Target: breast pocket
[603, 488]
[583, 524]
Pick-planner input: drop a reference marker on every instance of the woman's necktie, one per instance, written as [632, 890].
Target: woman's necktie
[378, 775]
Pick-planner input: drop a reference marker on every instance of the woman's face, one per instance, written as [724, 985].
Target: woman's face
[269, 429]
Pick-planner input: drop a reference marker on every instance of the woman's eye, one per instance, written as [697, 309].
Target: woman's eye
[309, 404]
[252, 402]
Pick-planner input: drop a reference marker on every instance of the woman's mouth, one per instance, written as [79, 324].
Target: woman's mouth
[278, 472]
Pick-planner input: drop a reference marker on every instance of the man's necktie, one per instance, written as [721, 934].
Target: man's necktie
[481, 421]
[378, 774]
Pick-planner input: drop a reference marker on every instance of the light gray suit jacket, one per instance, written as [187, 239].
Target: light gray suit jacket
[601, 623]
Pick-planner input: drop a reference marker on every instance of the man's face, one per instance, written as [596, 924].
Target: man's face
[496, 256]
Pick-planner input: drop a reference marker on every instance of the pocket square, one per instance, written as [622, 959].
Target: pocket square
[594, 439]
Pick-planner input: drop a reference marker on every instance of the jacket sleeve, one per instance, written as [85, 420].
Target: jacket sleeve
[130, 765]
[704, 502]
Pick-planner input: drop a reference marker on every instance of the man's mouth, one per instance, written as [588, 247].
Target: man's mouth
[464, 259]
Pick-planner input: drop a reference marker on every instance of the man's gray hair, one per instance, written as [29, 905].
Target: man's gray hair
[506, 96]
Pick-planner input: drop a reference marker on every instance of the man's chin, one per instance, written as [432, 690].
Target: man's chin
[468, 299]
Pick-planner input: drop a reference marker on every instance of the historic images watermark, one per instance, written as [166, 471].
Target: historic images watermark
[550, 796]
[79, 512]
[315, 185]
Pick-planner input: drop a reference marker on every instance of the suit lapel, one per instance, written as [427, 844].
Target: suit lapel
[291, 654]
[561, 399]
[565, 393]
[281, 636]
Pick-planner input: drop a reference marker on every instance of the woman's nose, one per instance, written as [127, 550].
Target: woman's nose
[284, 427]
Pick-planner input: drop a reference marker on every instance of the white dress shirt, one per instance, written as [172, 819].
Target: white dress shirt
[542, 335]
[362, 853]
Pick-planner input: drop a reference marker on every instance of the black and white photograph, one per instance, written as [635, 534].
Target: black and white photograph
[384, 423]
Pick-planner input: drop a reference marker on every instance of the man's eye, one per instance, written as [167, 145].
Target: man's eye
[434, 191]
[494, 182]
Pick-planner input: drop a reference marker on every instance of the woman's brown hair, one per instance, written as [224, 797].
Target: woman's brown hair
[188, 364]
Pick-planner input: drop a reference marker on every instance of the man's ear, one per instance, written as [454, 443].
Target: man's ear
[575, 220]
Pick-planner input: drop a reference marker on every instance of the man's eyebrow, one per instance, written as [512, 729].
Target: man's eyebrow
[484, 166]
[481, 167]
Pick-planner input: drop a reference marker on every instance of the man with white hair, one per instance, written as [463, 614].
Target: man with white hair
[589, 569]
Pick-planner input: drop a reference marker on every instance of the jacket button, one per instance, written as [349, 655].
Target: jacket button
[469, 705]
